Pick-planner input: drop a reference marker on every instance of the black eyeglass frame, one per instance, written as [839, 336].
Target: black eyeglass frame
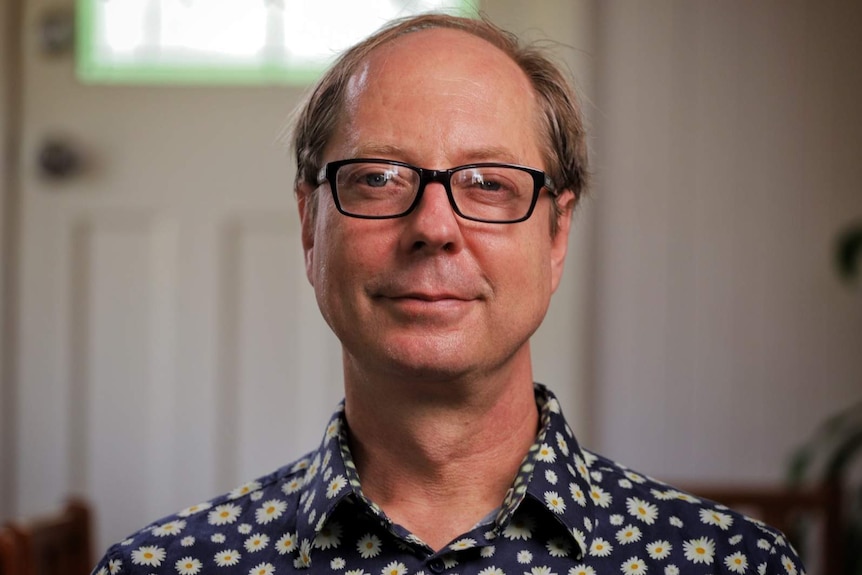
[541, 181]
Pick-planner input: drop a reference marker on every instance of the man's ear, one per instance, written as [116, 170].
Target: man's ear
[566, 201]
[305, 202]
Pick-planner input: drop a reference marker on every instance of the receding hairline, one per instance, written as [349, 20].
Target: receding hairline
[369, 60]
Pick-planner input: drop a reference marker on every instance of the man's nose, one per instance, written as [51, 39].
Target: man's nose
[433, 224]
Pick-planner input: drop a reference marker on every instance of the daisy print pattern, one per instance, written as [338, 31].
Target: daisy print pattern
[568, 512]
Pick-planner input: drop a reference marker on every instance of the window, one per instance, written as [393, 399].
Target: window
[228, 41]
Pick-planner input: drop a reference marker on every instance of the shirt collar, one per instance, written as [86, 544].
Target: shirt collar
[554, 471]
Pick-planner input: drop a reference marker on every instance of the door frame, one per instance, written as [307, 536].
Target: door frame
[10, 132]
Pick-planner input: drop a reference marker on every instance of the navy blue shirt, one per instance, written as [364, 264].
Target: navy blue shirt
[568, 512]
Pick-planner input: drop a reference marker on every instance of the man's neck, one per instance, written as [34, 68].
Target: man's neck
[440, 461]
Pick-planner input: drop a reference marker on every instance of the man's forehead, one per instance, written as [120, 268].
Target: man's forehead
[422, 51]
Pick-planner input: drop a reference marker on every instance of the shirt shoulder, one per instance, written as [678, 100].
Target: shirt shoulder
[255, 515]
[632, 507]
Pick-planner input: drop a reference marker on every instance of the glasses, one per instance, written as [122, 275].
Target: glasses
[485, 192]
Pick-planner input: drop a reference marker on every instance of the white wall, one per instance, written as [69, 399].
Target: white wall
[728, 158]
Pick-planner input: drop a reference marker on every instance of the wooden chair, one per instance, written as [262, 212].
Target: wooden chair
[55, 545]
[811, 517]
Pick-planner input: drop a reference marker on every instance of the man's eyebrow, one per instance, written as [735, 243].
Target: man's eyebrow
[482, 154]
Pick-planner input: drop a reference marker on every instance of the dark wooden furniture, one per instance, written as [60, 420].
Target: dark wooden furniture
[55, 545]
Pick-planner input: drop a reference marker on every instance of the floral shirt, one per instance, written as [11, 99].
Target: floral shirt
[568, 512]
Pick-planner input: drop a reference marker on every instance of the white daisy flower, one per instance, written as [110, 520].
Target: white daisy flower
[616, 519]
[256, 542]
[661, 495]
[554, 502]
[101, 571]
[558, 547]
[394, 568]
[148, 555]
[684, 497]
[713, 517]
[337, 564]
[546, 453]
[244, 489]
[218, 538]
[524, 557]
[114, 566]
[329, 536]
[327, 471]
[335, 486]
[562, 444]
[368, 546]
[304, 559]
[521, 527]
[355, 572]
[492, 571]
[761, 569]
[624, 483]
[462, 544]
[583, 471]
[737, 562]
[244, 528]
[301, 464]
[646, 512]
[600, 548]
[449, 560]
[127, 542]
[187, 541]
[194, 509]
[256, 495]
[543, 570]
[675, 521]
[224, 514]
[169, 528]
[188, 566]
[789, 565]
[633, 566]
[487, 551]
[227, 558]
[632, 476]
[735, 539]
[550, 476]
[269, 511]
[286, 543]
[628, 534]
[582, 570]
[764, 544]
[332, 429]
[262, 569]
[596, 476]
[671, 570]
[659, 549]
[292, 486]
[700, 550]
[600, 497]
[577, 494]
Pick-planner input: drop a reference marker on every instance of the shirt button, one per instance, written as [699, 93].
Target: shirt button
[436, 565]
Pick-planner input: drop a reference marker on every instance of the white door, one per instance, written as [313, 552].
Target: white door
[169, 346]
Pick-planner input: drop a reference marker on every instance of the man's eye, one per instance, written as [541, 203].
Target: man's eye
[486, 185]
[377, 180]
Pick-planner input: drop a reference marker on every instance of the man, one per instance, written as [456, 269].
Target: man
[438, 167]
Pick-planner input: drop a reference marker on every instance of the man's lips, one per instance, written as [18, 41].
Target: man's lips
[430, 297]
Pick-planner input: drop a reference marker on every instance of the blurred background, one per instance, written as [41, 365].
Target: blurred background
[160, 343]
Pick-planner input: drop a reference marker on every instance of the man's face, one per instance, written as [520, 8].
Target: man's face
[430, 295]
